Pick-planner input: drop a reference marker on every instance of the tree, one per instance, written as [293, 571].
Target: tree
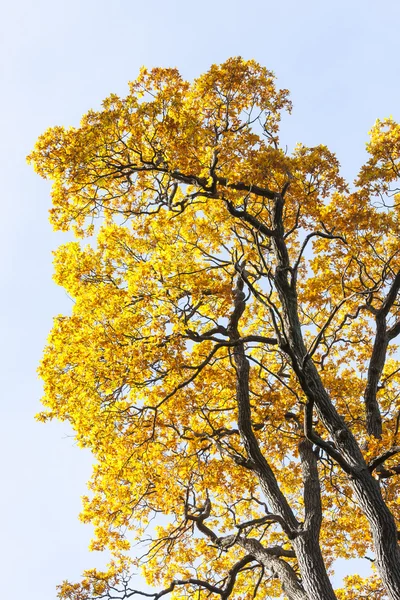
[230, 357]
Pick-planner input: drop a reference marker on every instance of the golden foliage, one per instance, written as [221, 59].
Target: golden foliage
[162, 183]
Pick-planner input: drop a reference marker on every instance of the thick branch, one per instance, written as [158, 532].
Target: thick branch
[244, 187]
[384, 473]
[391, 296]
[312, 488]
[270, 558]
[267, 478]
[379, 460]
[378, 359]
[250, 219]
[375, 368]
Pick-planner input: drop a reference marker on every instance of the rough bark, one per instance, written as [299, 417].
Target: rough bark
[375, 368]
[378, 359]
[346, 450]
[291, 586]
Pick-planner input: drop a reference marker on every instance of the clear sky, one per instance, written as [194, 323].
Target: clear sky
[61, 57]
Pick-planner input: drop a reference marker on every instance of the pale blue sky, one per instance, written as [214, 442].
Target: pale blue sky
[58, 58]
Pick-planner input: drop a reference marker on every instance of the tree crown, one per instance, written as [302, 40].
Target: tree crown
[212, 248]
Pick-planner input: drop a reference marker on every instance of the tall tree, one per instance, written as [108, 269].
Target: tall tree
[230, 357]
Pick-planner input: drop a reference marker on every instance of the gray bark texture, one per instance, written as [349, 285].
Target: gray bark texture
[343, 447]
[346, 450]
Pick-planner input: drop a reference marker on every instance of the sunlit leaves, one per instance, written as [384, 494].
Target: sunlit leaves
[175, 188]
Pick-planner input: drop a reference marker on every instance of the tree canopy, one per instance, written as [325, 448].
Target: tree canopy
[230, 357]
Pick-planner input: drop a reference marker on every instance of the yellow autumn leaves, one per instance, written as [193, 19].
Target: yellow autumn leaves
[138, 368]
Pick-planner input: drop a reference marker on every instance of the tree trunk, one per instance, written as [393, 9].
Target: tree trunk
[366, 488]
[347, 451]
[314, 577]
[383, 529]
